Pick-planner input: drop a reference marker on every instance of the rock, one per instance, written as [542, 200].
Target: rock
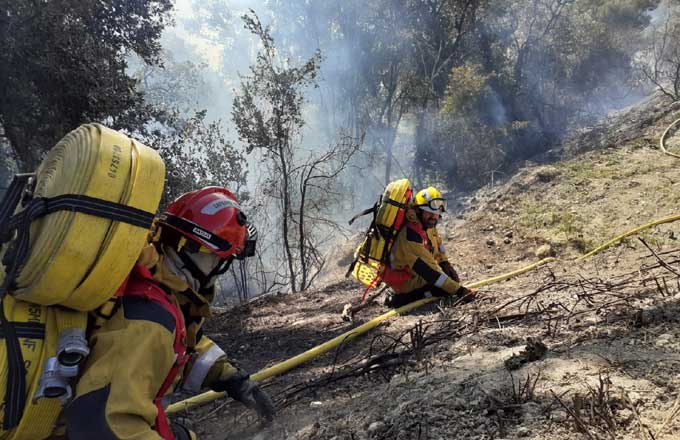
[534, 350]
[634, 397]
[376, 428]
[559, 416]
[315, 404]
[307, 433]
[506, 240]
[490, 242]
[347, 313]
[663, 340]
[509, 234]
[532, 410]
[458, 403]
[546, 174]
[545, 251]
[523, 431]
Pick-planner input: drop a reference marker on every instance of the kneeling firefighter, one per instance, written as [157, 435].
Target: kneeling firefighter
[418, 265]
[151, 339]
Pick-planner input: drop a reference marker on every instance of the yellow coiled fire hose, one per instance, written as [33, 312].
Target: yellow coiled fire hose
[75, 261]
[79, 260]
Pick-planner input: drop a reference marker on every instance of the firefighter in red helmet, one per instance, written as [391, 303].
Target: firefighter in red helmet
[149, 340]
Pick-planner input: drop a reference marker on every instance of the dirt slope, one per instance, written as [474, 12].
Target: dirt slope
[604, 355]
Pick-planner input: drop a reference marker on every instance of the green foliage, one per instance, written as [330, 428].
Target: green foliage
[530, 72]
[63, 63]
[467, 87]
[268, 110]
[197, 154]
[659, 62]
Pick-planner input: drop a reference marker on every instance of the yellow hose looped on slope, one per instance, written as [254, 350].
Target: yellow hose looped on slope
[337, 341]
[662, 140]
[600, 248]
[329, 345]
[79, 260]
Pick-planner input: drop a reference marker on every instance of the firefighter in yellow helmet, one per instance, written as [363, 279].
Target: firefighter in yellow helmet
[419, 266]
[150, 341]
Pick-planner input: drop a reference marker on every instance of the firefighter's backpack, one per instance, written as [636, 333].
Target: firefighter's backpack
[70, 234]
[389, 213]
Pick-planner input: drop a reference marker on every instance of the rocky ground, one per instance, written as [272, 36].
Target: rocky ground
[577, 349]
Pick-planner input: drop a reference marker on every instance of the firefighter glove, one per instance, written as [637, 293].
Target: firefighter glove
[466, 295]
[239, 387]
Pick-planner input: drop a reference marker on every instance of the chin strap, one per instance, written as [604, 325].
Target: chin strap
[204, 279]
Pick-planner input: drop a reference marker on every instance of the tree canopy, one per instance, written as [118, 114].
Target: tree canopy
[63, 63]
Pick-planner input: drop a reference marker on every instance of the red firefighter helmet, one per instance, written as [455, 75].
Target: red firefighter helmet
[210, 217]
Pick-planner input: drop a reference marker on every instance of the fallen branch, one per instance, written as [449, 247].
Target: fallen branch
[638, 419]
[669, 418]
[577, 420]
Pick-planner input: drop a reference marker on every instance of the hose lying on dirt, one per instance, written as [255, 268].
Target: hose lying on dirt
[662, 141]
[314, 352]
[295, 361]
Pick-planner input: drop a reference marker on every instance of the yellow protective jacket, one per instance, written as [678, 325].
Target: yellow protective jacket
[131, 356]
[416, 258]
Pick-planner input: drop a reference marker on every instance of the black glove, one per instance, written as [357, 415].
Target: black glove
[466, 295]
[239, 387]
[450, 271]
[181, 432]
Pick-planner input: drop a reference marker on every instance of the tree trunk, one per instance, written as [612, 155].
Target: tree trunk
[301, 238]
[20, 145]
[285, 212]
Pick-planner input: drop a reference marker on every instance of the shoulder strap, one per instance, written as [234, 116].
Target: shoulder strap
[140, 284]
[372, 209]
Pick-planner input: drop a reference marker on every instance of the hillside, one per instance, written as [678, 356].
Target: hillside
[587, 349]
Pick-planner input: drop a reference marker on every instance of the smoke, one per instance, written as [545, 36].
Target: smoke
[544, 80]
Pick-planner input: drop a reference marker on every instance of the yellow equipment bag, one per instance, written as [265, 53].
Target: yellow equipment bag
[69, 236]
[389, 214]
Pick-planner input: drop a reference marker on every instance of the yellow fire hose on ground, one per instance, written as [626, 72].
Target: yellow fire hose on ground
[312, 353]
[662, 141]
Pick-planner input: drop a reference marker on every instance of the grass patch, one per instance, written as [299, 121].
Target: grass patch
[588, 170]
[554, 222]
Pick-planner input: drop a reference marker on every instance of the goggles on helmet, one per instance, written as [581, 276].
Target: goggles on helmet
[435, 205]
